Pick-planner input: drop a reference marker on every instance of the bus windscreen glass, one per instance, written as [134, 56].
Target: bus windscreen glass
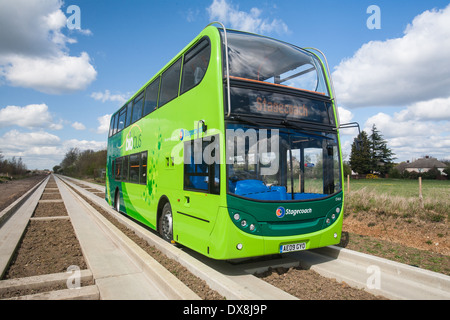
[262, 59]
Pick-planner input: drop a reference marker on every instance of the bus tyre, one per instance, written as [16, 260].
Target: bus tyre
[165, 223]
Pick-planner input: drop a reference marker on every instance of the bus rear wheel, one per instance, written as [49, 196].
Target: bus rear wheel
[166, 223]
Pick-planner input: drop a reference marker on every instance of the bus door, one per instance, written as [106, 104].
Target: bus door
[201, 188]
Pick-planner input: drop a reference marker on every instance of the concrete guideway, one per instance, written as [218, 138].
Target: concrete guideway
[376, 275]
[8, 211]
[232, 282]
[12, 230]
[121, 269]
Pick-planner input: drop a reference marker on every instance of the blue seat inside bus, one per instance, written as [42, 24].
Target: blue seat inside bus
[198, 182]
[256, 189]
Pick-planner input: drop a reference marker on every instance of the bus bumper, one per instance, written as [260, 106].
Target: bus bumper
[228, 242]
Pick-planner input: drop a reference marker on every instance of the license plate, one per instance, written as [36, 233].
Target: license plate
[292, 247]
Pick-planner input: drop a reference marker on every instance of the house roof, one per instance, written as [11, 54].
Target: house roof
[426, 163]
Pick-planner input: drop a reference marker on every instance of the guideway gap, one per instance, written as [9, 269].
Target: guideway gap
[120, 269]
[16, 235]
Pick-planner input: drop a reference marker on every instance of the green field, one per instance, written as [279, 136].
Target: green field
[403, 188]
[400, 197]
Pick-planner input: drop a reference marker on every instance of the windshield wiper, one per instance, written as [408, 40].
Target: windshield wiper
[242, 119]
[310, 132]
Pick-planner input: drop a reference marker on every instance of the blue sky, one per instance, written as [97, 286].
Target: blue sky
[58, 86]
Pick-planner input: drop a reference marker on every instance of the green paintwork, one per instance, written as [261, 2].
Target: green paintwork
[204, 222]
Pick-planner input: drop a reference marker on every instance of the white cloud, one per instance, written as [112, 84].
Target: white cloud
[346, 116]
[104, 122]
[411, 137]
[19, 144]
[78, 126]
[393, 126]
[107, 96]
[34, 51]
[30, 116]
[41, 149]
[83, 145]
[399, 71]
[63, 73]
[227, 13]
[435, 109]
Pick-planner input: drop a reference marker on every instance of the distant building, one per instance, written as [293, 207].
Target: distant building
[424, 165]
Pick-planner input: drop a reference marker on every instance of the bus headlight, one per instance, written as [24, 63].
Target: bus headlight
[244, 221]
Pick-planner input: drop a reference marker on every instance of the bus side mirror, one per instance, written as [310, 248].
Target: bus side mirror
[358, 144]
[353, 125]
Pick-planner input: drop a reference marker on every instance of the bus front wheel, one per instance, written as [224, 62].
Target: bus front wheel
[166, 223]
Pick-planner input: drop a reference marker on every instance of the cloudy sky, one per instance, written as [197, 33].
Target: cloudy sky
[62, 77]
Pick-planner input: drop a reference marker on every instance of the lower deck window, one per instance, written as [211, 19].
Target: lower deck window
[132, 168]
[201, 165]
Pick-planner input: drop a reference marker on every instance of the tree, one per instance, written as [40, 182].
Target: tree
[370, 154]
[381, 157]
[68, 162]
[446, 170]
[360, 156]
[87, 163]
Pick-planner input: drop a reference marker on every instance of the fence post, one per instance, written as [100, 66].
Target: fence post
[420, 193]
[348, 183]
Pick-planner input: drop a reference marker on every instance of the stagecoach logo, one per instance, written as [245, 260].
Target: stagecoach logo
[281, 212]
[187, 133]
[181, 134]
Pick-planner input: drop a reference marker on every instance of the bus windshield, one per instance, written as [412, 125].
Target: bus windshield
[285, 164]
[261, 59]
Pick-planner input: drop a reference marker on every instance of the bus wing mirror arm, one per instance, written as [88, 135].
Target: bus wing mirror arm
[353, 125]
[203, 128]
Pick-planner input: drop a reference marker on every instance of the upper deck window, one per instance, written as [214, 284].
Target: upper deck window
[169, 83]
[195, 65]
[261, 59]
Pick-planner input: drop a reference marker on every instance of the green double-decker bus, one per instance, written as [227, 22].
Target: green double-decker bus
[232, 149]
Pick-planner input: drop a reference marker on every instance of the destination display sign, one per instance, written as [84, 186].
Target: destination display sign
[278, 105]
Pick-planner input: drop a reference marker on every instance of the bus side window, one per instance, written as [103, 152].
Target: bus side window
[118, 169]
[121, 120]
[137, 108]
[151, 97]
[134, 168]
[170, 81]
[195, 64]
[125, 169]
[204, 175]
[112, 127]
[129, 110]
